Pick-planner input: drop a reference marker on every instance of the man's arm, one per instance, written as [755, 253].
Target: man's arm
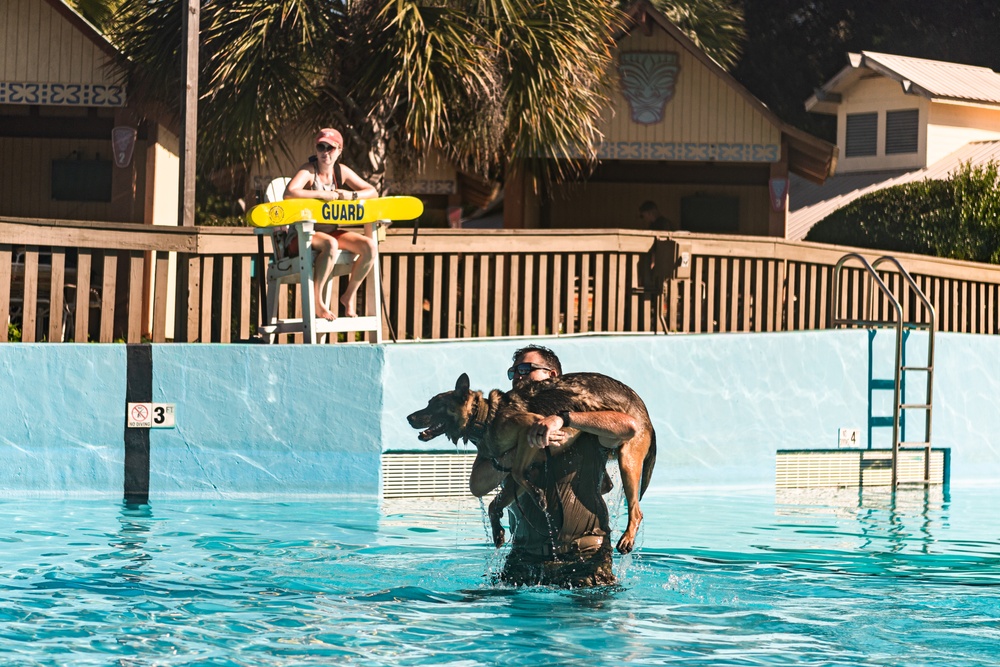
[611, 428]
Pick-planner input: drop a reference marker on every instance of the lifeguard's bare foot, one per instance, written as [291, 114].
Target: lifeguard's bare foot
[350, 309]
[324, 313]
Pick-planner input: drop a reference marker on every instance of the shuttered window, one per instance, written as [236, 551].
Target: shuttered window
[901, 131]
[862, 134]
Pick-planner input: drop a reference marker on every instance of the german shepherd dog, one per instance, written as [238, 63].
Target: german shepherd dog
[497, 425]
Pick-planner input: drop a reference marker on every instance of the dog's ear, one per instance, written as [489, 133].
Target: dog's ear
[462, 384]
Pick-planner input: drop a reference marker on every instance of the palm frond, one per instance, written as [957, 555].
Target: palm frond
[716, 26]
[260, 67]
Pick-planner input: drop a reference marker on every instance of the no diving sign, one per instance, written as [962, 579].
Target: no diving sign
[150, 415]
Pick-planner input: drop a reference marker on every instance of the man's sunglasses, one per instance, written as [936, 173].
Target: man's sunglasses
[325, 148]
[524, 369]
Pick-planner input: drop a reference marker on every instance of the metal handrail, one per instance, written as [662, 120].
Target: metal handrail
[930, 352]
[874, 278]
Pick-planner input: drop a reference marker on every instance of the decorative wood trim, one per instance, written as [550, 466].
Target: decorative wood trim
[689, 151]
[62, 94]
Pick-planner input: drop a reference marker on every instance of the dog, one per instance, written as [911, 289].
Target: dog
[497, 425]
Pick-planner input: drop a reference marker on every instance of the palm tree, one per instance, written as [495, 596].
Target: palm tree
[482, 81]
[716, 26]
[98, 12]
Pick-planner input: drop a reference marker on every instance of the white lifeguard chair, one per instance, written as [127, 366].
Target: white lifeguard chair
[298, 269]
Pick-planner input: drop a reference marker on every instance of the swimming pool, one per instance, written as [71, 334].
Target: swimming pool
[721, 577]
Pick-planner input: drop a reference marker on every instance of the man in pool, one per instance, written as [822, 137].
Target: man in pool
[569, 546]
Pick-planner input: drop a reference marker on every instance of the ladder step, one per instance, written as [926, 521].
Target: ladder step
[917, 406]
[917, 368]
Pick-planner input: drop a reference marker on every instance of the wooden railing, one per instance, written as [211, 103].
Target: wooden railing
[75, 281]
[756, 284]
[473, 284]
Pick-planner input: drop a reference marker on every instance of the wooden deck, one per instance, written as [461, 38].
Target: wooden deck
[104, 282]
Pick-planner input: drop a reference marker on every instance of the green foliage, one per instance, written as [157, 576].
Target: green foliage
[957, 218]
[13, 333]
[98, 12]
[259, 64]
[716, 26]
[481, 82]
[216, 208]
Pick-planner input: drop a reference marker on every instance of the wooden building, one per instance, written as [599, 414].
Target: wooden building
[680, 131]
[899, 119]
[61, 100]
[683, 133]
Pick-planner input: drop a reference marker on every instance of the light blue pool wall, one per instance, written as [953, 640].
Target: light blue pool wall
[58, 429]
[723, 404]
[289, 420]
[276, 419]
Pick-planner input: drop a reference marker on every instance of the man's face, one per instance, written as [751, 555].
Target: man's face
[535, 374]
[648, 217]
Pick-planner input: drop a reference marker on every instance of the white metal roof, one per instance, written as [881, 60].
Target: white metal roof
[933, 79]
[809, 203]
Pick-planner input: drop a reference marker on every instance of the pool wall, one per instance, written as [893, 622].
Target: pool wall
[295, 419]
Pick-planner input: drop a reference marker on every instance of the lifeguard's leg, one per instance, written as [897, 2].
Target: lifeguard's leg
[364, 248]
[326, 246]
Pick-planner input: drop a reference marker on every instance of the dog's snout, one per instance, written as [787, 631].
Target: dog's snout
[416, 419]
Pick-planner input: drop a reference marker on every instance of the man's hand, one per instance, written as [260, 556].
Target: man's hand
[547, 432]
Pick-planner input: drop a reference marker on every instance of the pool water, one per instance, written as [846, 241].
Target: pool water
[723, 577]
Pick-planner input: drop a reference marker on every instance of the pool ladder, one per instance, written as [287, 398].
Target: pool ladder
[871, 269]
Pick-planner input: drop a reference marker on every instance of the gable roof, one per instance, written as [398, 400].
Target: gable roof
[810, 157]
[932, 79]
[808, 203]
[87, 28]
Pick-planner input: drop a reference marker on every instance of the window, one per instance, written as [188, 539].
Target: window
[81, 180]
[862, 134]
[901, 131]
[717, 214]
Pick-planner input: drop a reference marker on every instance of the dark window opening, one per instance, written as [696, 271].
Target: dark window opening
[710, 213]
[81, 180]
[862, 134]
[901, 131]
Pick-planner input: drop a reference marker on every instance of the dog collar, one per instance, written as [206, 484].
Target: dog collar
[477, 431]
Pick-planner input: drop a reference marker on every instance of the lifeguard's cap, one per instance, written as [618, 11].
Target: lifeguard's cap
[331, 136]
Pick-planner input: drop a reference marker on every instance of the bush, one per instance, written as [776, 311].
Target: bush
[957, 218]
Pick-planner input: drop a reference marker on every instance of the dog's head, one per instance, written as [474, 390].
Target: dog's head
[449, 413]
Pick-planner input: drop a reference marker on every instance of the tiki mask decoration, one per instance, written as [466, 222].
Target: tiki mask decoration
[647, 81]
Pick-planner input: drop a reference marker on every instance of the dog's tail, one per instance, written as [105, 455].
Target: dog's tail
[648, 463]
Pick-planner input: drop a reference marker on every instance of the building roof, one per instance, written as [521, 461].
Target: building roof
[809, 203]
[932, 79]
[87, 28]
[810, 157]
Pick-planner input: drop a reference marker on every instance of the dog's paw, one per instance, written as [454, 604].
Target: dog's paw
[499, 537]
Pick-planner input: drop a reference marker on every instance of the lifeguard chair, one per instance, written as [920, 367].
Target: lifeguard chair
[298, 269]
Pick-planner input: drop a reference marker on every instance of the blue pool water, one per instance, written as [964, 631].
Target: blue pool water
[724, 577]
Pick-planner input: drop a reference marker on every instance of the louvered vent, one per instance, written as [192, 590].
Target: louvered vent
[901, 131]
[870, 467]
[862, 134]
[425, 475]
